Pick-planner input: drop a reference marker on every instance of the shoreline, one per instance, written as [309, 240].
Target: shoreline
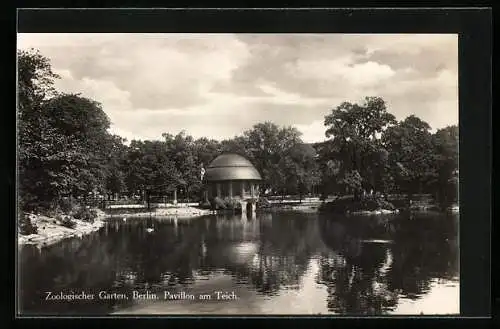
[179, 212]
[373, 212]
[50, 231]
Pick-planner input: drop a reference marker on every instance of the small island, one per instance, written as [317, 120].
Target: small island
[364, 205]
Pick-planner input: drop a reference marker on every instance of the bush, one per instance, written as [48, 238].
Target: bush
[205, 205]
[67, 221]
[68, 205]
[218, 203]
[384, 204]
[85, 214]
[345, 204]
[26, 225]
[263, 203]
[232, 204]
[339, 205]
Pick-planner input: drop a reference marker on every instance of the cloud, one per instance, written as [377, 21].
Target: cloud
[357, 75]
[218, 85]
[312, 133]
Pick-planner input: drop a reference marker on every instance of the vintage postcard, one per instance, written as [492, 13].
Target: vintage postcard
[238, 174]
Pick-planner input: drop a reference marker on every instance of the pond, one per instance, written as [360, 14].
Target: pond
[269, 263]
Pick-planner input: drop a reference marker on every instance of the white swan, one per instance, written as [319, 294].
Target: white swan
[204, 249]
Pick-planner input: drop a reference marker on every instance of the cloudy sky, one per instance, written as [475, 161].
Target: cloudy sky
[218, 85]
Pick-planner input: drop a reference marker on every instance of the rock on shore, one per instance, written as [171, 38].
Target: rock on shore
[51, 231]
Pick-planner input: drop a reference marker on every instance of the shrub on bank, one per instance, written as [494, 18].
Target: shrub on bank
[218, 203]
[227, 203]
[205, 205]
[263, 203]
[232, 204]
[68, 205]
[85, 214]
[66, 221]
[350, 204]
[26, 225]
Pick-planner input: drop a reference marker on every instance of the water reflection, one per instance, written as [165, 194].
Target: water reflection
[337, 265]
[369, 276]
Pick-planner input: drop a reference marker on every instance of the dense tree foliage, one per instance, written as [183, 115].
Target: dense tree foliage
[445, 154]
[368, 150]
[354, 155]
[62, 138]
[66, 151]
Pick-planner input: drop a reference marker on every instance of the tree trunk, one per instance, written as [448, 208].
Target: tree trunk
[148, 199]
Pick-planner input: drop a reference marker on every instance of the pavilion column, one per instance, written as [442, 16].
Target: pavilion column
[175, 195]
[242, 189]
[230, 189]
[217, 185]
[252, 190]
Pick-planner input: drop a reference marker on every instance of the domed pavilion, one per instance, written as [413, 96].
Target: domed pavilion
[232, 176]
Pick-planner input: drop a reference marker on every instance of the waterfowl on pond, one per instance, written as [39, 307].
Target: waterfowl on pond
[204, 249]
[149, 224]
[377, 241]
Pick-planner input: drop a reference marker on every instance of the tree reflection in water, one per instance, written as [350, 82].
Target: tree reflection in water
[426, 247]
[368, 277]
[267, 254]
[258, 253]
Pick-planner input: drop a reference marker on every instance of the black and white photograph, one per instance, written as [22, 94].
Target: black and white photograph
[238, 174]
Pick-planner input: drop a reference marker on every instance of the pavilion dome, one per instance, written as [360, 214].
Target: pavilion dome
[231, 166]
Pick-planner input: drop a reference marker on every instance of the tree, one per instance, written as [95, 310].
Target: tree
[238, 145]
[63, 138]
[353, 183]
[268, 146]
[151, 170]
[445, 146]
[83, 120]
[263, 147]
[354, 132]
[116, 164]
[301, 169]
[409, 144]
[35, 85]
[206, 150]
[35, 81]
[181, 150]
[329, 165]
